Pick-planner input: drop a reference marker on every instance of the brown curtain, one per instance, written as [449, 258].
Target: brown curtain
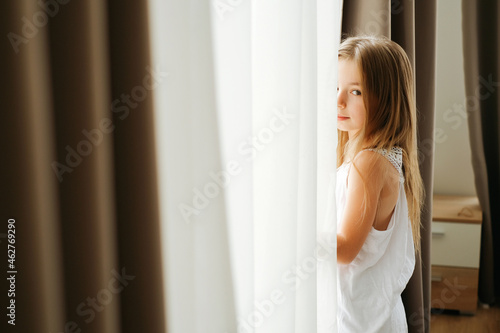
[78, 170]
[480, 27]
[412, 24]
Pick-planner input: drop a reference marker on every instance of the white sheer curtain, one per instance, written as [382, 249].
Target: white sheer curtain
[246, 146]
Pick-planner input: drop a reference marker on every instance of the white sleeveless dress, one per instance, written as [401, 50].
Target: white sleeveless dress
[369, 288]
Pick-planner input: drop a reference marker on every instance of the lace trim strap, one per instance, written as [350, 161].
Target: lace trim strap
[395, 156]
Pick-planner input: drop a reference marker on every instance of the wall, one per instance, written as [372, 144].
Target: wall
[452, 162]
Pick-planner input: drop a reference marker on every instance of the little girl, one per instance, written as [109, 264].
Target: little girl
[379, 189]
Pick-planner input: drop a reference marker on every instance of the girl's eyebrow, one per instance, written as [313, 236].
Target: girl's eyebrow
[354, 83]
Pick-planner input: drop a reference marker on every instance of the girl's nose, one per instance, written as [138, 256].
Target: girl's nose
[340, 100]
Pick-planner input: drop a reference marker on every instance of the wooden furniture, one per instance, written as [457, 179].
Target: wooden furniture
[455, 249]
[485, 320]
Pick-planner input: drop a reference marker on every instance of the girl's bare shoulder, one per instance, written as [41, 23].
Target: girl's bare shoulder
[375, 165]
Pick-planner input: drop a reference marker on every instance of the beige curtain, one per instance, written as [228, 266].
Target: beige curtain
[78, 175]
[480, 27]
[412, 24]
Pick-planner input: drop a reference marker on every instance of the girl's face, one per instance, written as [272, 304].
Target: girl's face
[351, 111]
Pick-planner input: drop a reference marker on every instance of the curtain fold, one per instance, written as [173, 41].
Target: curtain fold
[79, 179]
[412, 24]
[135, 182]
[329, 24]
[284, 186]
[425, 75]
[192, 180]
[242, 188]
[294, 60]
[81, 98]
[29, 192]
[480, 26]
[234, 113]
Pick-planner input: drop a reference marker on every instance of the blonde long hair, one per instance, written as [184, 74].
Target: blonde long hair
[389, 98]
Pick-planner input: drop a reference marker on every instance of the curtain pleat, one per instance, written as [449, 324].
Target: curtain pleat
[137, 207]
[425, 75]
[79, 177]
[366, 17]
[80, 89]
[193, 179]
[29, 192]
[328, 37]
[480, 27]
[412, 24]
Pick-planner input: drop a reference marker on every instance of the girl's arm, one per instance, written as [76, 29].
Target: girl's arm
[367, 177]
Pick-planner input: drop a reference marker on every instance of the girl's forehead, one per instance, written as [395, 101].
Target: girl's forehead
[348, 71]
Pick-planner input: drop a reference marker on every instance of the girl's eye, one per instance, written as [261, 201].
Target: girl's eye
[356, 92]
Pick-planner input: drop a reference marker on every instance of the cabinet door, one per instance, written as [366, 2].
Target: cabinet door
[455, 244]
[454, 288]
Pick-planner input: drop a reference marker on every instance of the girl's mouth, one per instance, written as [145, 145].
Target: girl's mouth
[342, 118]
